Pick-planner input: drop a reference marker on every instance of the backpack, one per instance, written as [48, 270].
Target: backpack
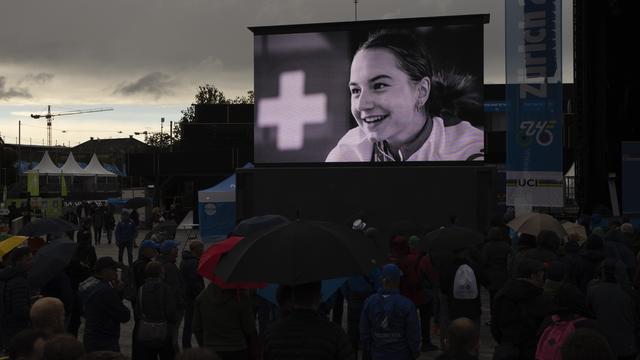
[465, 286]
[553, 337]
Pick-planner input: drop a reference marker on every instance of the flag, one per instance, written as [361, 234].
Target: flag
[33, 183]
[63, 186]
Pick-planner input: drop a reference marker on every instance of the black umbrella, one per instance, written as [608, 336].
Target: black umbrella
[298, 252]
[45, 226]
[135, 203]
[50, 261]
[450, 238]
[258, 223]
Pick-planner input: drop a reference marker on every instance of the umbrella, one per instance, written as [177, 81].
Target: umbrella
[258, 223]
[49, 261]
[299, 252]
[573, 228]
[533, 223]
[135, 203]
[210, 259]
[450, 238]
[329, 287]
[45, 226]
[10, 243]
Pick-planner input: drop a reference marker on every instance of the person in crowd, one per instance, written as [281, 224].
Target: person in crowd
[103, 307]
[524, 243]
[546, 250]
[156, 304]
[592, 256]
[586, 344]
[409, 113]
[98, 222]
[223, 320]
[147, 251]
[84, 235]
[79, 270]
[198, 354]
[556, 280]
[126, 233]
[60, 287]
[194, 284]
[15, 294]
[496, 254]
[109, 221]
[27, 344]
[173, 278]
[135, 217]
[305, 335]
[104, 355]
[47, 315]
[417, 285]
[573, 261]
[462, 341]
[389, 327]
[616, 247]
[616, 311]
[63, 347]
[356, 290]
[517, 311]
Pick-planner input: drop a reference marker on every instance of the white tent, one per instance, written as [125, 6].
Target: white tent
[71, 167]
[96, 168]
[45, 166]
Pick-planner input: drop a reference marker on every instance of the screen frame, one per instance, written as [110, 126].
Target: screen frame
[472, 19]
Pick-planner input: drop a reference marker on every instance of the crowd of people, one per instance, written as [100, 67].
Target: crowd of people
[550, 298]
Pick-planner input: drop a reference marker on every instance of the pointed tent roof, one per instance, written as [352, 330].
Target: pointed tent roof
[71, 166]
[95, 168]
[45, 166]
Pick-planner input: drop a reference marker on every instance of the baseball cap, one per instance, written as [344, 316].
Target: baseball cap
[391, 272]
[149, 244]
[168, 245]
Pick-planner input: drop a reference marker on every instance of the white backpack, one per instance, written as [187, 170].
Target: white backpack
[464, 283]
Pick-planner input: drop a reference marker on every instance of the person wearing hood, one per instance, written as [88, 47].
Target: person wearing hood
[556, 282]
[173, 278]
[592, 256]
[615, 309]
[616, 246]
[15, 294]
[224, 321]
[496, 254]
[194, 284]
[517, 312]
[547, 245]
[103, 307]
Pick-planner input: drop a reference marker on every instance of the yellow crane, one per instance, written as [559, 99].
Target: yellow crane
[49, 116]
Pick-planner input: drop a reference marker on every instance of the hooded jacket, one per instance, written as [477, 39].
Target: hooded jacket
[517, 312]
[223, 319]
[16, 300]
[103, 311]
[173, 278]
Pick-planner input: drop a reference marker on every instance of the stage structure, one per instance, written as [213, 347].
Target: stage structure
[359, 117]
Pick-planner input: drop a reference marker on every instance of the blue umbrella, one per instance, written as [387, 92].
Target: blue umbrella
[329, 287]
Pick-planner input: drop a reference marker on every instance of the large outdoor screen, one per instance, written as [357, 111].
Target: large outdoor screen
[374, 91]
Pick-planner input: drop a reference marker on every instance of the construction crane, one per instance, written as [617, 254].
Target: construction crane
[49, 116]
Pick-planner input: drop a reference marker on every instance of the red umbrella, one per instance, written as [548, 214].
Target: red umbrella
[210, 259]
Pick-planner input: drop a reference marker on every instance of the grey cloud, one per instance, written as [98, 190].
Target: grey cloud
[155, 83]
[39, 79]
[12, 92]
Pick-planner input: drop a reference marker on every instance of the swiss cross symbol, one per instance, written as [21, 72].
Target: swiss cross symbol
[291, 111]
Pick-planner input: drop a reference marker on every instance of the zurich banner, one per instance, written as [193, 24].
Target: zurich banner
[534, 102]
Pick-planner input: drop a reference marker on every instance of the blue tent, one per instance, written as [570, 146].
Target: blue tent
[217, 209]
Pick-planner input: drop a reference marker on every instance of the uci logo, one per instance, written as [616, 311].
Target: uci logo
[527, 182]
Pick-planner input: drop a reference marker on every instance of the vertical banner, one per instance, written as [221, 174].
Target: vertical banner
[534, 103]
[63, 186]
[33, 183]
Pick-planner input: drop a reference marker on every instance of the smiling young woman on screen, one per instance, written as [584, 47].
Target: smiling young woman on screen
[404, 111]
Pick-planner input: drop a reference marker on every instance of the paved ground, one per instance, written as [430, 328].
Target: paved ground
[486, 341]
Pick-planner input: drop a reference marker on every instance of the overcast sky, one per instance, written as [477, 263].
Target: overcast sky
[146, 58]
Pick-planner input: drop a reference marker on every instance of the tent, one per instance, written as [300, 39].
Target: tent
[95, 168]
[217, 209]
[71, 167]
[45, 166]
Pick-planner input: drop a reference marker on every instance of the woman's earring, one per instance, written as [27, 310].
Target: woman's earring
[418, 107]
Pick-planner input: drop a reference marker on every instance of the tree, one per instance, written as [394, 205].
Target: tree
[160, 140]
[207, 94]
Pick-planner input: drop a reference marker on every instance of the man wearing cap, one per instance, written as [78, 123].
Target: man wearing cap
[173, 278]
[389, 327]
[103, 307]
